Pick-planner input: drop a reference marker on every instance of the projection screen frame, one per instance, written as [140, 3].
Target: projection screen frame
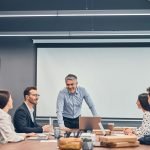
[107, 43]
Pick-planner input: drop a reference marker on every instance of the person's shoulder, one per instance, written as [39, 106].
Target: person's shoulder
[82, 89]
[22, 107]
[63, 91]
[147, 113]
[3, 114]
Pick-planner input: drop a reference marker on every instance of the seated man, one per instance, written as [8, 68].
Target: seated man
[24, 117]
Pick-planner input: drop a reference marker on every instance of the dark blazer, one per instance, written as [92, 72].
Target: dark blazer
[23, 122]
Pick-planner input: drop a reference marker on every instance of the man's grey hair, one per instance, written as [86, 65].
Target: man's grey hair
[70, 77]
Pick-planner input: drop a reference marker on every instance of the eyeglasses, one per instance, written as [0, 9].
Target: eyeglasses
[36, 95]
[70, 84]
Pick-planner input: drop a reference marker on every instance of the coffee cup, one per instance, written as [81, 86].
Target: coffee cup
[110, 126]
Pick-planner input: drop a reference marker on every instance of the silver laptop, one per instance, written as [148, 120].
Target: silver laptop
[89, 123]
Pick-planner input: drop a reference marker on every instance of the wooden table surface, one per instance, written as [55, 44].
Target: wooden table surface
[37, 145]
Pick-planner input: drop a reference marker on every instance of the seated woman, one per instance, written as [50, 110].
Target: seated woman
[7, 132]
[144, 129]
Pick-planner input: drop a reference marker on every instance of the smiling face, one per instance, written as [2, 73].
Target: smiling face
[71, 85]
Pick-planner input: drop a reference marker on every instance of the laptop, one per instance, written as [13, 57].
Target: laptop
[89, 123]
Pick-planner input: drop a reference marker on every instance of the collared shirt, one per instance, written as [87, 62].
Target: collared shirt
[31, 110]
[7, 132]
[69, 104]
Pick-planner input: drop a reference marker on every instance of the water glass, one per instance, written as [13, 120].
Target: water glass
[56, 132]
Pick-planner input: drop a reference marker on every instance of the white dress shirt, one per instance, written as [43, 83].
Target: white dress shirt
[31, 110]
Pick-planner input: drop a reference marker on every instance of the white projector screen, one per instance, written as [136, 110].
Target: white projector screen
[112, 76]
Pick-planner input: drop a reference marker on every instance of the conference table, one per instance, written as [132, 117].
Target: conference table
[52, 145]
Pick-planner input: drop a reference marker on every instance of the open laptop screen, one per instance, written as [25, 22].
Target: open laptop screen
[89, 123]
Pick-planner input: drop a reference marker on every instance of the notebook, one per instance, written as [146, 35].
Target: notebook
[39, 136]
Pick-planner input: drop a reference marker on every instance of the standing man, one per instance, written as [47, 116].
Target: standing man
[24, 118]
[69, 103]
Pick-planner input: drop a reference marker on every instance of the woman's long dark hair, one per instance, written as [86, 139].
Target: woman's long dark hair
[143, 99]
[4, 98]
